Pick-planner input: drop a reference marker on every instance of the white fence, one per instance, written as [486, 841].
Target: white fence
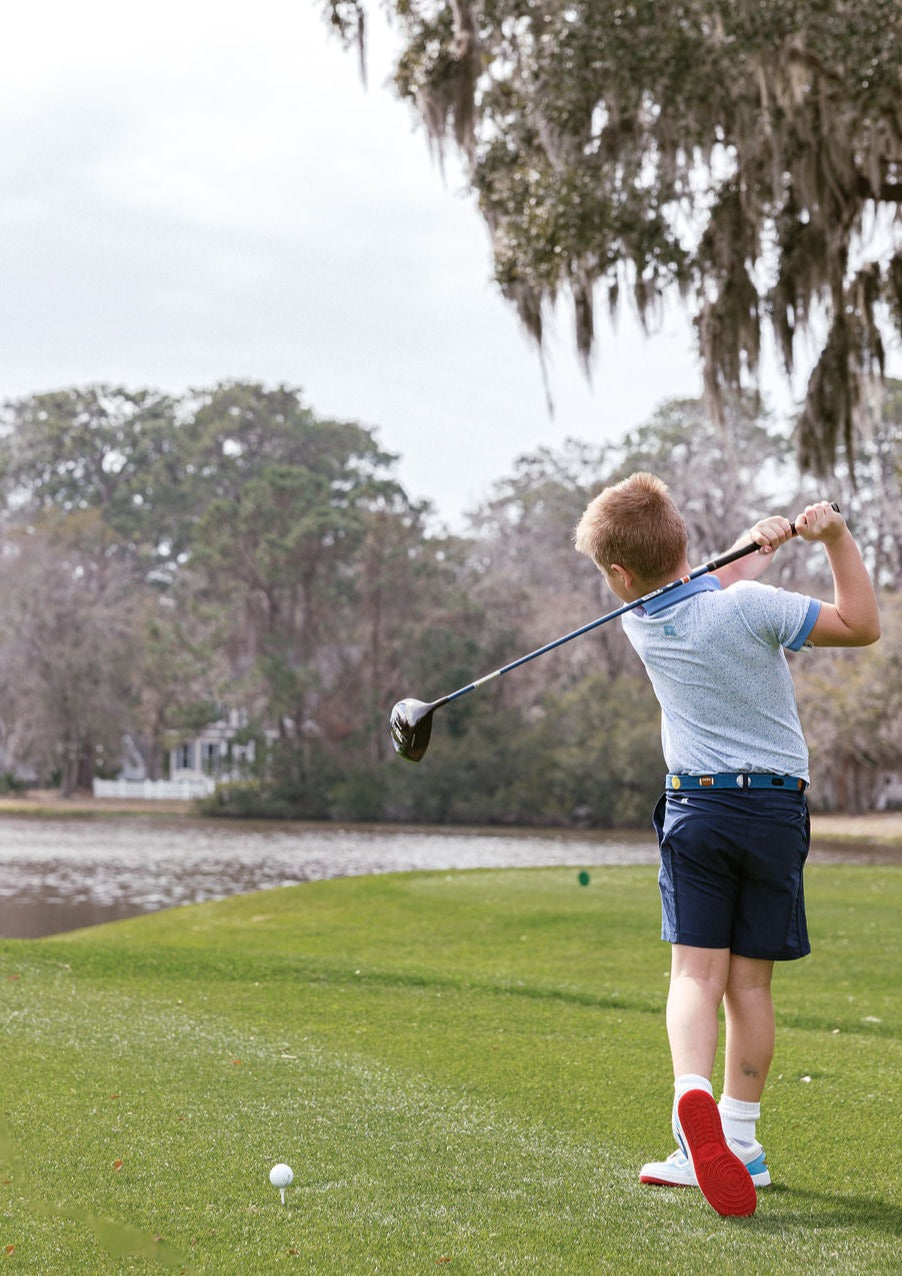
[195, 787]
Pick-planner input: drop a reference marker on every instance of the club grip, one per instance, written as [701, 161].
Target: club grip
[833, 506]
[743, 550]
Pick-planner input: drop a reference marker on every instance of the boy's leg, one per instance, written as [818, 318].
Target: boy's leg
[698, 982]
[749, 1013]
[749, 1010]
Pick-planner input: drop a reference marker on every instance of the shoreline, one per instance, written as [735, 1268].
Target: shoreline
[882, 828]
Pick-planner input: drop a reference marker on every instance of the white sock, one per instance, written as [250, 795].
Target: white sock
[739, 1119]
[688, 1081]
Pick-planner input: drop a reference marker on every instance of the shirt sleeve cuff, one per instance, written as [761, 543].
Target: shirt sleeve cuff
[811, 615]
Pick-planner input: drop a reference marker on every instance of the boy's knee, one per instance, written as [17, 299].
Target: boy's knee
[749, 976]
[709, 966]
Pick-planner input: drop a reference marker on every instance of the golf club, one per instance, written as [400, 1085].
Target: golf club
[411, 720]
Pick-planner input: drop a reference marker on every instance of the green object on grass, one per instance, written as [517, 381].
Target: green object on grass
[457, 1065]
[584, 878]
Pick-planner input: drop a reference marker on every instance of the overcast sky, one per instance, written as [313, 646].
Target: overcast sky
[203, 190]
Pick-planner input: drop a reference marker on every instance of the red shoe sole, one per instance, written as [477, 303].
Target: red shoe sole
[724, 1181]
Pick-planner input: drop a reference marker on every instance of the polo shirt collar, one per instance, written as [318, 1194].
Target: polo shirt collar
[686, 590]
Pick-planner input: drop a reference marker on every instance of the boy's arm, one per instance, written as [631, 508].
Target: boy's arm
[770, 534]
[852, 619]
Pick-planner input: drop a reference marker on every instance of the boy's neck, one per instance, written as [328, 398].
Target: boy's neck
[678, 574]
[630, 588]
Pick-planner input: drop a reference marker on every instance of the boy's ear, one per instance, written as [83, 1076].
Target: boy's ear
[623, 575]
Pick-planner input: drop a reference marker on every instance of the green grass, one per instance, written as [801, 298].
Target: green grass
[464, 1069]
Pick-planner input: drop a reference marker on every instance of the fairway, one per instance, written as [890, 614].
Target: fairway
[464, 1070]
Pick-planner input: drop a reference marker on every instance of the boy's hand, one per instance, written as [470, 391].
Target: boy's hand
[770, 533]
[820, 522]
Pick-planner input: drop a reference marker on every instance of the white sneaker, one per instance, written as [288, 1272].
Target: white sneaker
[677, 1170]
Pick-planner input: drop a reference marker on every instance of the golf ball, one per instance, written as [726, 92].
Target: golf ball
[281, 1175]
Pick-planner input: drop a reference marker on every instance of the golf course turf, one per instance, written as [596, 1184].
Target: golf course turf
[464, 1070]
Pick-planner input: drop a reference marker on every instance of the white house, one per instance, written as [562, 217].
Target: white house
[196, 764]
[212, 754]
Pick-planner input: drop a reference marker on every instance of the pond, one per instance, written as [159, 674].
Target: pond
[59, 874]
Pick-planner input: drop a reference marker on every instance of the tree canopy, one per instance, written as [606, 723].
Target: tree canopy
[747, 153]
[228, 556]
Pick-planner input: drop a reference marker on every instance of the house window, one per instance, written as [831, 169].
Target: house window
[209, 756]
[183, 758]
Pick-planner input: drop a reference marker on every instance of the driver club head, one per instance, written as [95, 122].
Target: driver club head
[411, 727]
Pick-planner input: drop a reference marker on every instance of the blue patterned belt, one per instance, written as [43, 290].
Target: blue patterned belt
[737, 780]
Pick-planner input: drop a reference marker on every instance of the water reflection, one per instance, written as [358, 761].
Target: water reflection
[60, 874]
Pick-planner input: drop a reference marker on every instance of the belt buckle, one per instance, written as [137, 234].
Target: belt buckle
[743, 780]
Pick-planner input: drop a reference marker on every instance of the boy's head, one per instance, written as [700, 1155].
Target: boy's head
[636, 525]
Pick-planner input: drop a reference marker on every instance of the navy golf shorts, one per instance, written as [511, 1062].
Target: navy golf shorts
[731, 871]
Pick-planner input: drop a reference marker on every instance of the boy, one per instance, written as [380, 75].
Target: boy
[733, 823]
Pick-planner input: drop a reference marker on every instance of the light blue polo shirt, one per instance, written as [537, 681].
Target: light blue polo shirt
[716, 661]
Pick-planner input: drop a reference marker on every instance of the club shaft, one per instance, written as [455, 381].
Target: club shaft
[714, 565]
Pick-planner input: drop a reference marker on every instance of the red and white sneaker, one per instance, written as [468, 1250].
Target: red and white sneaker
[677, 1170]
[723, 1178]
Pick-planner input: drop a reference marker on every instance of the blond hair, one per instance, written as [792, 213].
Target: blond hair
[634, 523]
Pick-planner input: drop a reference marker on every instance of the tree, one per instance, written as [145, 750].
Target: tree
[851, 708]
[873, 501]
[529, 573]
[747, 153]
[178, 666]
[401, 576]
[66, 648]
[722, 477]
[99, 447]
[295, 543]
